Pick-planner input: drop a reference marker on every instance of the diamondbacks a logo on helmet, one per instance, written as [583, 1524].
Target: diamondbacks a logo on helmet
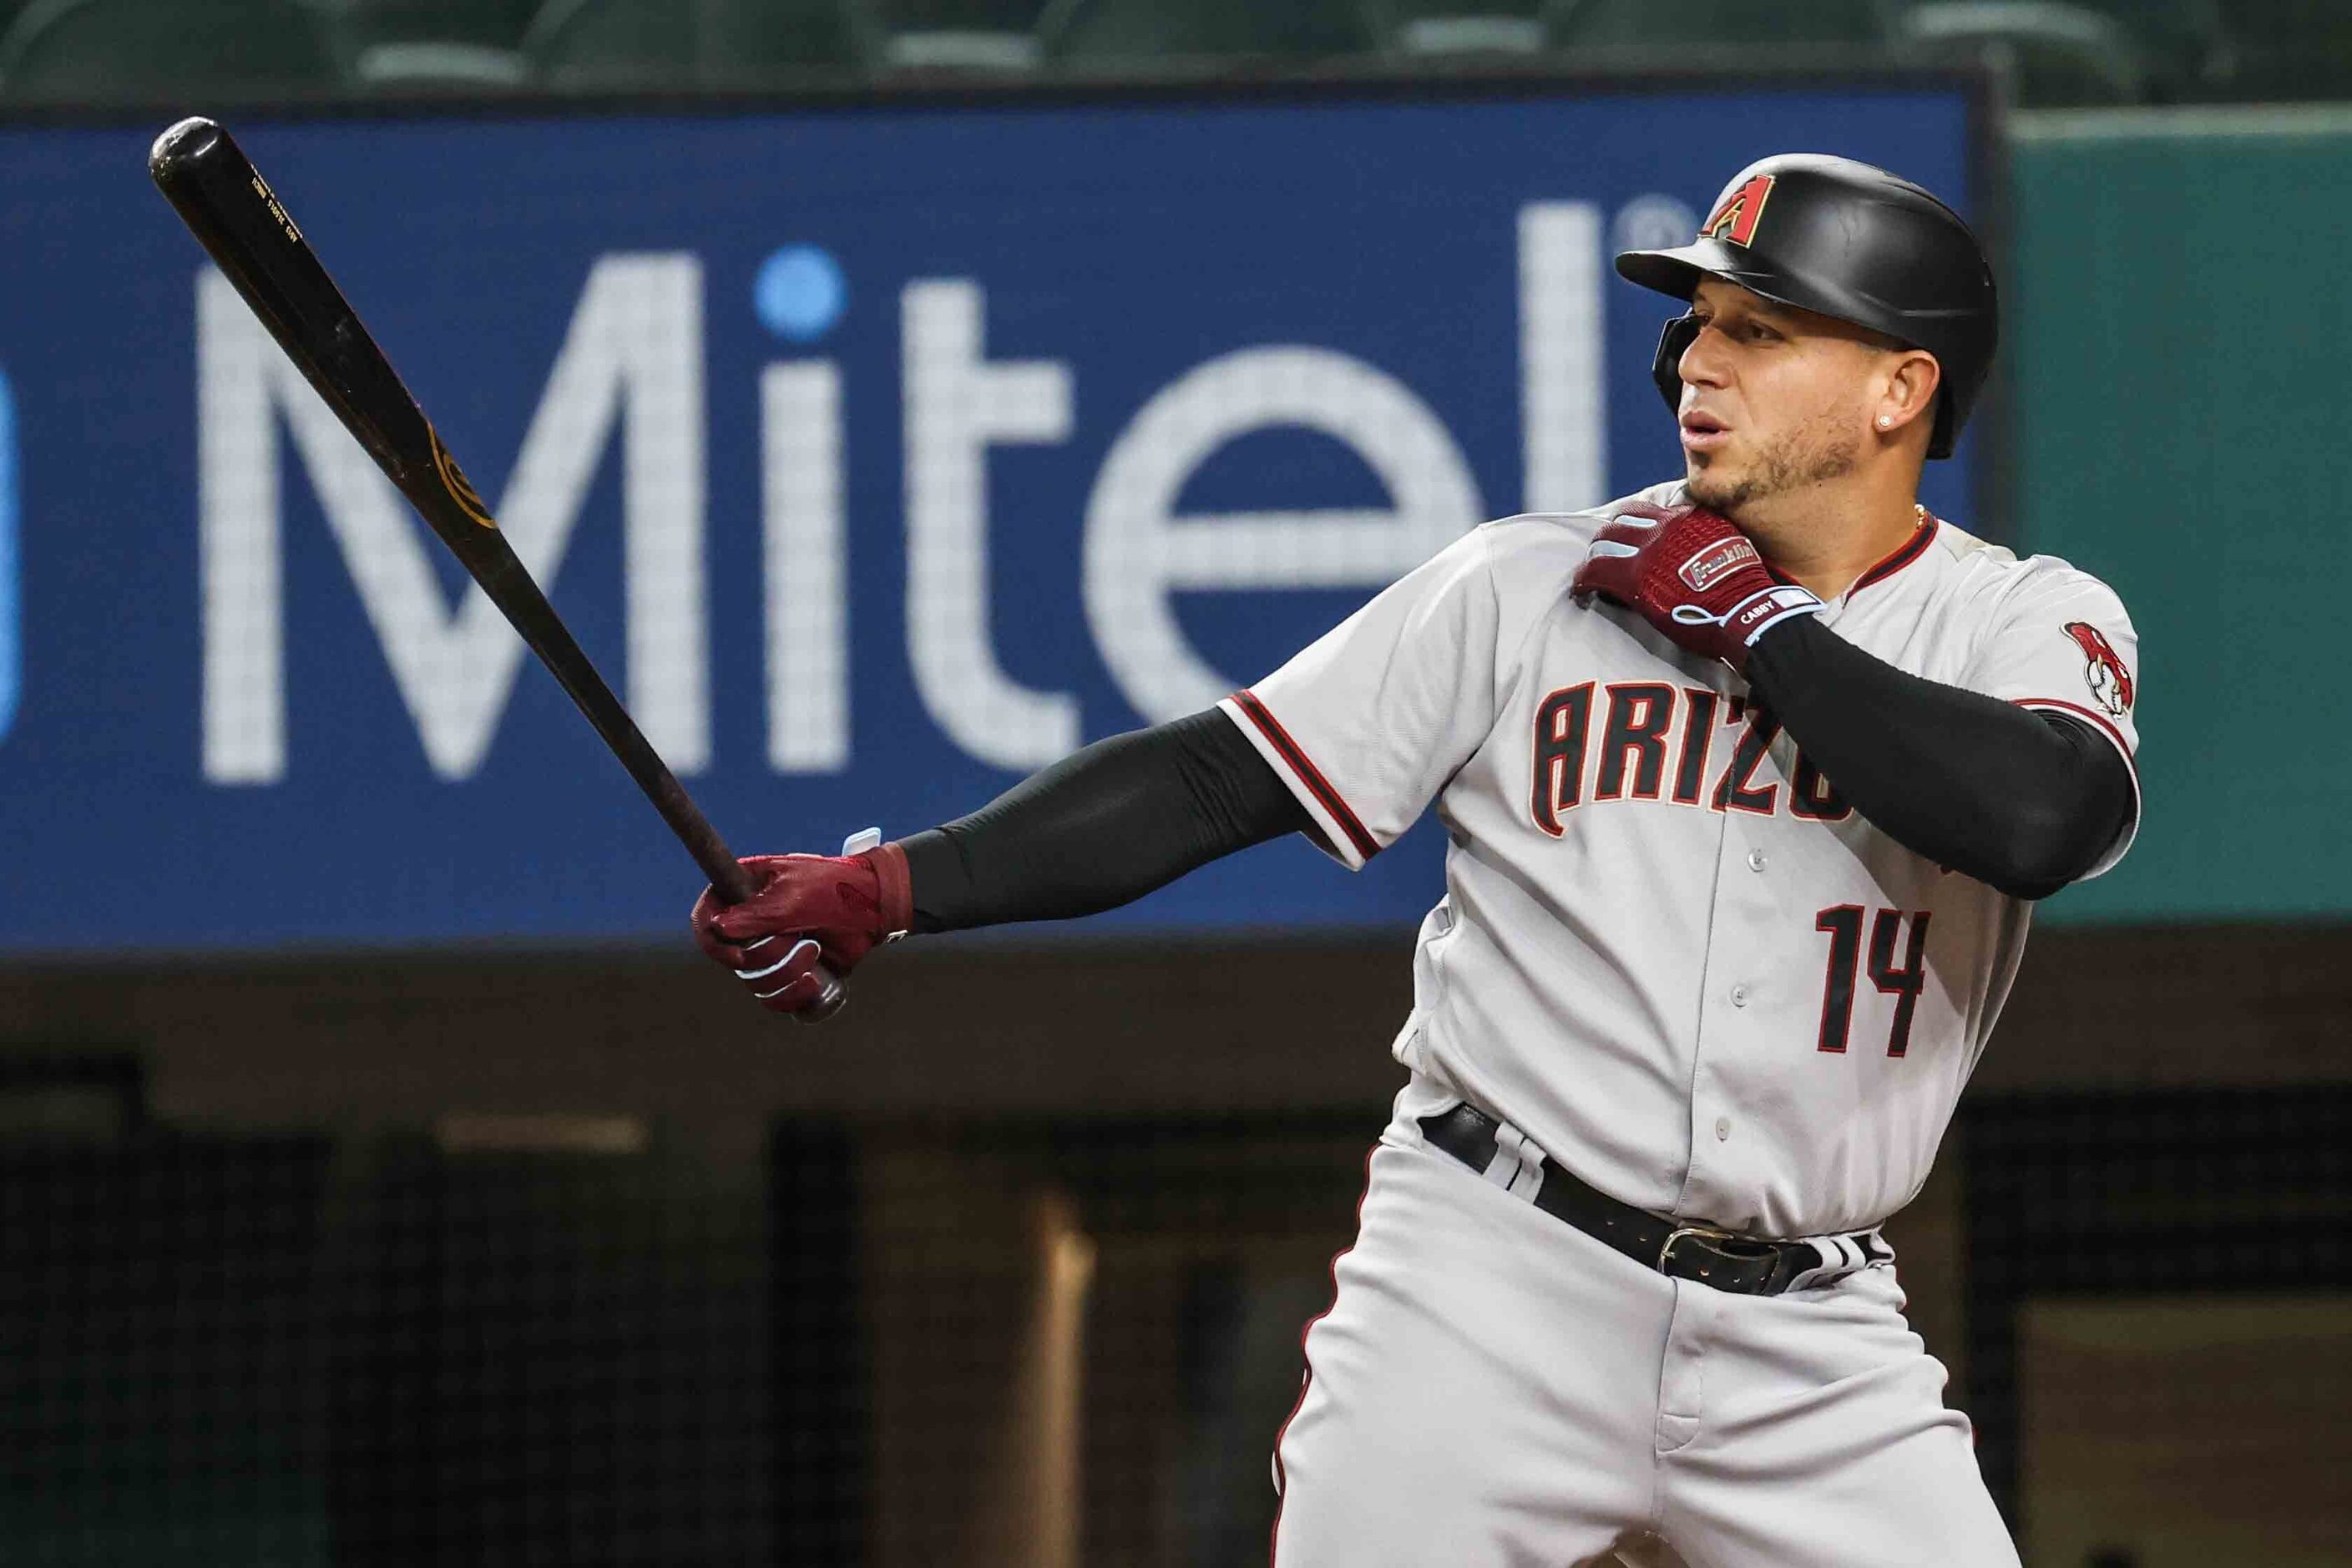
[1736, 219]
[2103, 667]
[1716, 562]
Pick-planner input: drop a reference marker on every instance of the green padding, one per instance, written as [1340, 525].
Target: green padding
[2183, 334]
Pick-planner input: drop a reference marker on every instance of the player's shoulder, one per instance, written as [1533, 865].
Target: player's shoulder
[1530, 538]
[1994, 576]
[1531, 559]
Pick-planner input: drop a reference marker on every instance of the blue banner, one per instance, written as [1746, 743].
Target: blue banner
[10, 662]
[878, 455]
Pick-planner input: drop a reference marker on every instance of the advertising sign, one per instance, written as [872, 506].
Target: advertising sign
[879, 454]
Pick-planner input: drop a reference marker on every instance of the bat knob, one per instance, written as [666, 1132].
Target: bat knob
[829, 1001]
[182, 143]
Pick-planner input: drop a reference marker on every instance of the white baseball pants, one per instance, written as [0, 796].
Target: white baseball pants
[1493, 1388]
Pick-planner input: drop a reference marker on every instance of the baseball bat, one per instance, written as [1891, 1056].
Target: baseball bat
[236, 217]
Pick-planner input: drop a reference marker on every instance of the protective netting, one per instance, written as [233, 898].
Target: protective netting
[2158, 1301]
[163, 1384]
[1077, 1337]
[1045, 1341]
[220, 1348]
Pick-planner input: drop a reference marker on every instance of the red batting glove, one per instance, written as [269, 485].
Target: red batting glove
[811, 909]
[1693, 576]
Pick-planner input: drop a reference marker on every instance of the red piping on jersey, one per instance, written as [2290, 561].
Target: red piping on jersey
[2101, 720]
[1281, 1482]
[1910, 550]
[1905, 553]
[1308, 773]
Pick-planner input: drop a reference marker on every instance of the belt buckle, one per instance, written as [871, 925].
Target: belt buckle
[1708, 1232]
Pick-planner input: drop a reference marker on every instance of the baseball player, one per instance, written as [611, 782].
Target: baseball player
[1749, 782]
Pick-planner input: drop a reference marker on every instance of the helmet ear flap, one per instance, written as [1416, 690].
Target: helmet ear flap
[1666, 369]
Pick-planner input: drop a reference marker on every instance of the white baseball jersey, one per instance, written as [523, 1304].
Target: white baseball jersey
[1669, 952]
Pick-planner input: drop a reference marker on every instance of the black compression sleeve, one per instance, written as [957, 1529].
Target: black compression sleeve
[2023, 800]
[1102, 826]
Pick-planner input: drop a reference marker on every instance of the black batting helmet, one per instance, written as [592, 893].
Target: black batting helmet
[1844, 239]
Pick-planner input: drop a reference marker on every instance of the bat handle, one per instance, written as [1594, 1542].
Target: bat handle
[733, 886]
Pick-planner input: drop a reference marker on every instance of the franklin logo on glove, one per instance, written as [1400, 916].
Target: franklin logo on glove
[1711, 564]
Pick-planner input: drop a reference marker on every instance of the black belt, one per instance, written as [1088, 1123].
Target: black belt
[1711, 1256]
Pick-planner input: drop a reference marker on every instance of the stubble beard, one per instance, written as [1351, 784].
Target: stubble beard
[1813, 453]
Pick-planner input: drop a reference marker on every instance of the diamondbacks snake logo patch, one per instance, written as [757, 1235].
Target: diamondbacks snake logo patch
[2102, 669]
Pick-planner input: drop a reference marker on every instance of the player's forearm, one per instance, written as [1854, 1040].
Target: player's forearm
[1101, 828]
[2018, 800]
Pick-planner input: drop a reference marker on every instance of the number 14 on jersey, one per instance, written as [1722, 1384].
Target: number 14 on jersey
[1904, 982]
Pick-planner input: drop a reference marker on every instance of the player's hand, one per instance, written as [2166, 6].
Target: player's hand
[832, 910]
[1692, 576]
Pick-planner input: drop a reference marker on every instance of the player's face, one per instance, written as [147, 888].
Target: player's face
[1775, 399]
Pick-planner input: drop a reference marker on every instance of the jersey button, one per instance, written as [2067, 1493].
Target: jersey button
[1739, 995]
[1722, 1127]
[1756, 860]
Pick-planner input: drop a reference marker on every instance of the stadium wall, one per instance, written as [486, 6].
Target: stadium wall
[2177, 380]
